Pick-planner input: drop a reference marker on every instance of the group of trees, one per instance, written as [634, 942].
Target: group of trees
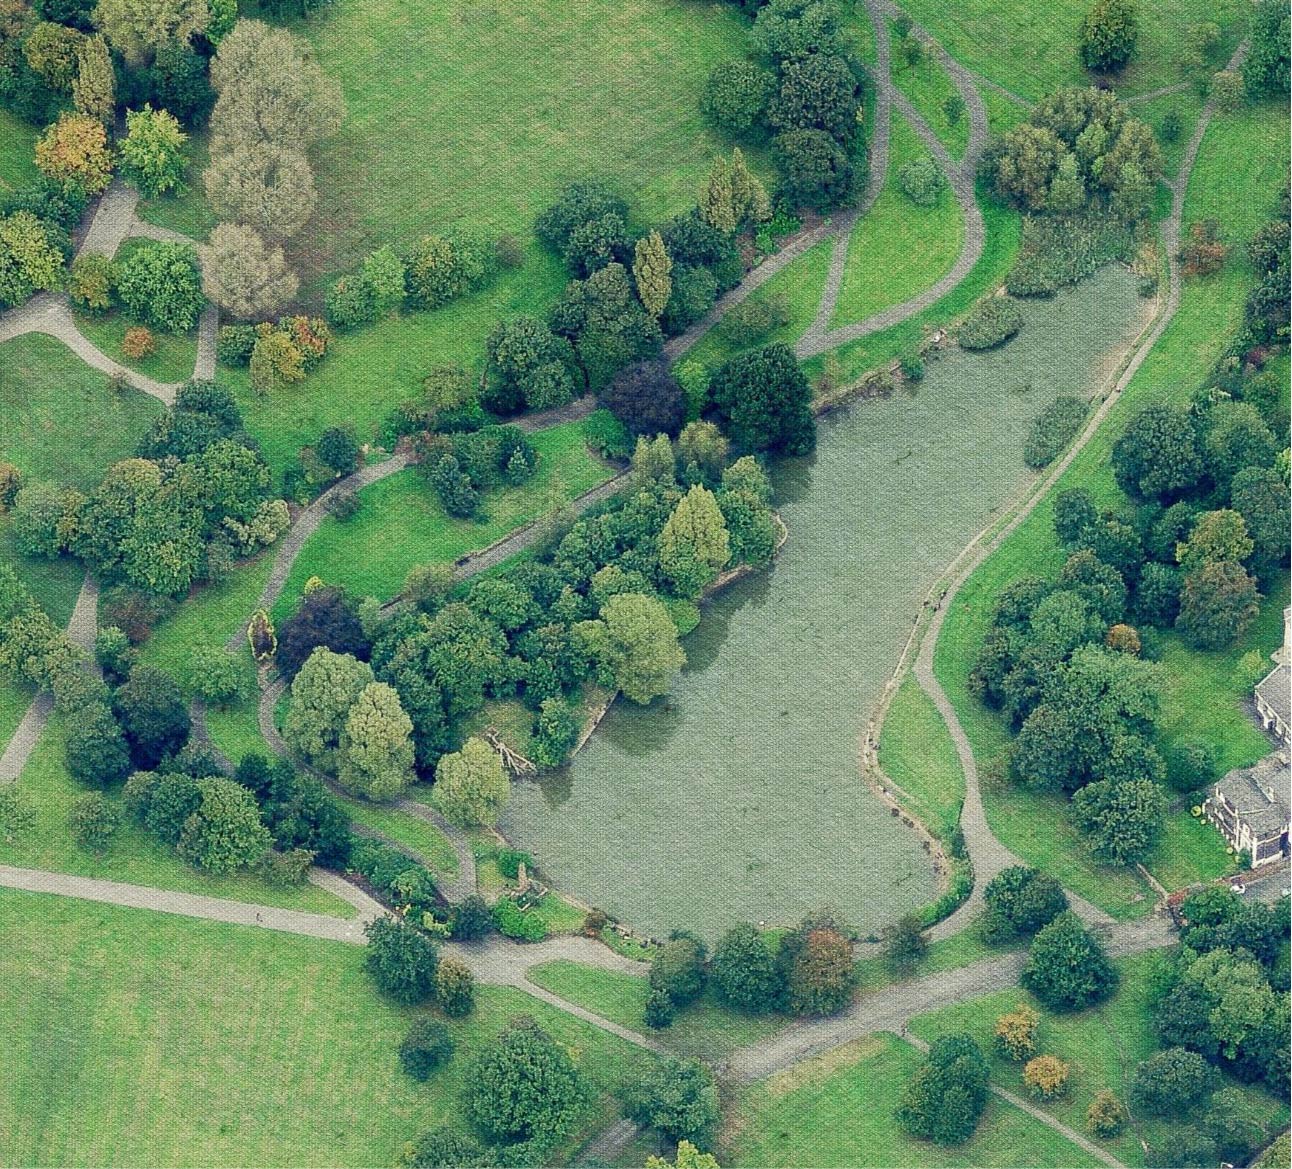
[461, 467]
[809, 971]
[273, 104]
[803, 91]
[194, 500]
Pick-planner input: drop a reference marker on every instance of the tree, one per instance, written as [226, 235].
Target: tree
[1236, 437]
[944, 1100]
[427, 1046]
[1122, 820]
[74, 152]
[401, 960]
[646, 398]
[244, 275]
[93, 821]
[736, 96]
[30, 261]
[1260, 496]
[581, 202]
[678, 969]
[1217, 603]
[817, 92]
[1016, 1033]
[815, 170]
[225, 832]
[17, 815]
[524, 357]
[323, 692]
[764, 400]
[1108, 35]
[1216, 535]
[652, 272]
[693, 544]
[1171, 1083]
[922, 180]
[789, 28]
[1066, 968]
[264, 185]
[638, 646]
[470, 785]
[271, 89]
[441, 1147]
[153, 715]
[455, 988]
[1157, 455]
[138, 28]
[678, 1098]
[903, 945]
[523, 1086]
[815, 961]
[161, 283]
[214, 674]
[51, 51]
[606, 324]
[444, 267]
[90, 281]
[744, 970]
[276, 361]
[375, 753]
[1265, 68]
[94, 86]
[688, 1157]
[1046, 1077]
[152, 157]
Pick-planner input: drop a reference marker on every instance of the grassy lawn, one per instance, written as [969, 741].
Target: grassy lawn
[172, 362]
[799, 284]
[17, 151]
[928, 86]
[607, 88]
[837, 1110]
[59, 421]
[917, 754]
[133, 856]
[898, 249]
[1188, 105]
[400, 522]
[961, 949]
[1240, 168]
[1032, 49]
[1003, 112]
[704, 1030]
[1001, 246]
[147, 1039]
[186, 212]
[1102, 1046]
[426, 840]
[54, 583]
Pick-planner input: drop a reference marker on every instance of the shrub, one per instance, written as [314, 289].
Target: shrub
[1172, 1083]
[678, 969]
[922, 180]
[678, 1098]
[1067, 968]
[752, 320]
[1054, 428]
[93, 821]
[944, 1100]
[471, 919]
[1016, 1033]
[1172, 126]
[509, 862]
[744, 970]
[992, 322]
[427, 1046]
[606, 435]
[1203, 251]
[152, 157]
[514, 922]
[214, 674]
[815, 170]
[235, 343]
[224, 832]
[1106, 1116]
[455, 988]
[74, 152]
[815, 961]
[138, 343]
[953, 108]
[736, 96]
[903, 944]
[287, 870]
[1021, 900]
[660, 1010]
[1046, 1077]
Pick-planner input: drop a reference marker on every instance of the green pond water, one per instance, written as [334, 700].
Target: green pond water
[739, 795]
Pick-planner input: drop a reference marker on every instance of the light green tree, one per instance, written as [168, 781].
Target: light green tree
[693, 544]
[327, 686]
[637, 644]
[225, 832]
[376, 748]
[470, 785]
[94, 87]
[138, 28]
[653, 272]
[152, 153]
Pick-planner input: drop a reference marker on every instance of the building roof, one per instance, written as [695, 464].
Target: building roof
[1275, 690]
[1259, 794]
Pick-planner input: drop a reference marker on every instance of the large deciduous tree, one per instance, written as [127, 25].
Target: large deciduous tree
[138, 28]
[637, 644]
[244, 275]
[1067, 968]
[266, 185]
[376, 749]
[765, 400]
[471, 786]
[152, 152]
[323, 692]
[225, 832]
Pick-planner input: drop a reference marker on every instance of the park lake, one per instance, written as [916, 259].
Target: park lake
[739, 795]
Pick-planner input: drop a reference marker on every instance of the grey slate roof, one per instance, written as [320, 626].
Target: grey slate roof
[1260, 794]
[1275, 689]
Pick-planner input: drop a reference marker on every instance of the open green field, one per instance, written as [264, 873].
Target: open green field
[1241, 166]
[59, 421]
[928, 86]
[17, 147]
[172, 361]
[1031, 49]
[400, 522]
[432, 135]
[1102, 1046]
[133, 856]
[704, 1030]
[145, 1039]
[798, 285]
[837, 1110]
[917, 754]
[898, 249]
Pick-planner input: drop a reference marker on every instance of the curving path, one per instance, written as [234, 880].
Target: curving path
[988, 855]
